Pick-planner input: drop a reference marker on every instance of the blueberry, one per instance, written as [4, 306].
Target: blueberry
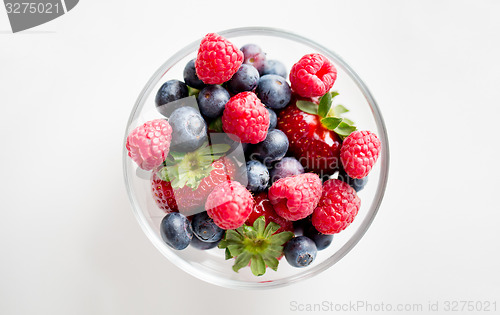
[300, 251]
[274, 91]
[273, 119]
[170, 91]
[212, 100]
[288, 166]
[357, 183]
[245, 79]
[258, 176]
[254, 56]
[272, 149]
[189, 130]
[274, 67]
[196, 243]
[205, 229]
[322, 241]
[190, 76]
[175, 230]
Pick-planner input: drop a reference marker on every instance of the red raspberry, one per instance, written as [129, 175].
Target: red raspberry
[338, 206]
[148, 145]
[295, 197]
[359, 152]
[263, 207]
[246, 118]
[218, 59]
[313, 75]
[229, 205]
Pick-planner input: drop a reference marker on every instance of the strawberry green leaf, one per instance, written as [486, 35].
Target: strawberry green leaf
[242, 261]
[271, 261]
[308, 107]
[235, 250]
[227, 254]
[271, 228]
[331, 123]
[257, 265]
[216, 125]
[340, 109]
[249, 231]
[220, 148]
[344, 129]
[232, 235]
[281, 238]
[348, 121]
[193, 91]
[259, 225]
[325, 103]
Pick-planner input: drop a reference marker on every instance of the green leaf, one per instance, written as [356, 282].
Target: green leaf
[235, 250]
[250, 232]
[344, 129]
[348, 121]
[259, 225]
[232, 235]
[271, 228]
[220, 148]
[257, 265]
[242, 261]
[281, 238]
[331, 123]
[308, 107]
[271, 261]
[325, 103]
[340, 109]
[227, 254]
[216, 125]
[193, 91]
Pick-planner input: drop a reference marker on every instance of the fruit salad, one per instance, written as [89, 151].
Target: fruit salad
[302, 165]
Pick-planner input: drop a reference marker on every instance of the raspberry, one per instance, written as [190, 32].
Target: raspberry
[313, 75]
[359, 152]
[246, 118]
[218, 59]
[263, 207]
[229, 205]
[295, 197]
[148, 145]
[338, 206]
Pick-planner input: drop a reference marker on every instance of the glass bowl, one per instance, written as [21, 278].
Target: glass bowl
[210, 265]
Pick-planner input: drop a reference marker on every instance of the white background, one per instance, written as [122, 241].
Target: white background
[68, 238]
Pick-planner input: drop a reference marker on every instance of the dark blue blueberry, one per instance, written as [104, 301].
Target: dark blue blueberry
[300, 251]
[190, 76]
[196, 243]
[357, 183]
[258, 176]
[288, 166]
[170, 91]
[272, 149]
[175, 230]
[273, 119]
[274, 91]
[274, 67]
[212, 100]
[205, 229]
[322, 241]
[245, 79]
[300, 225]
[189, 130]
[253, 56]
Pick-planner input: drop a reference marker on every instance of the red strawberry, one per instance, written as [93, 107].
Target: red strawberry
[264, 207]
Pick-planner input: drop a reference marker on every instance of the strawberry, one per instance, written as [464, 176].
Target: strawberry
[263, 207]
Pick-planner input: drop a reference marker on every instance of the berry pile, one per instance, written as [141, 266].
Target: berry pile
[304, 162]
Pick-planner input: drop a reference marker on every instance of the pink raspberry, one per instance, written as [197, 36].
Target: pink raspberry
[295, 197]
[218, 59]
[313, 75]
[337, 208]
[246, 118]
[359, 152]
[148, 145]
[229, 205]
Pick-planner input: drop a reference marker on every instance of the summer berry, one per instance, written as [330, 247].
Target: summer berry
[245, 118]
[321, 240]
[315, 146]
[253, 56]
[273, 118]
[170, 91]
[263, 207]
[288, 166]
[245, 79]
[190, 76]
[229, 205]
[205, 229]
[163, 194]
[257, 175]
[148, 145]
[337, 208]
[359, 153]
[357, 183]
[274, 91]
[272, 149]
[196, 243]
[212, 100]
[192, 177]
[296, 197]
[175, 230]
[217, 60]
[258, 245]
[274, 67]
[300, 251]
[313, 75]
[189, 130]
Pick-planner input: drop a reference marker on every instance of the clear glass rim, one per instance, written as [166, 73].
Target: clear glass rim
[311, 271]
